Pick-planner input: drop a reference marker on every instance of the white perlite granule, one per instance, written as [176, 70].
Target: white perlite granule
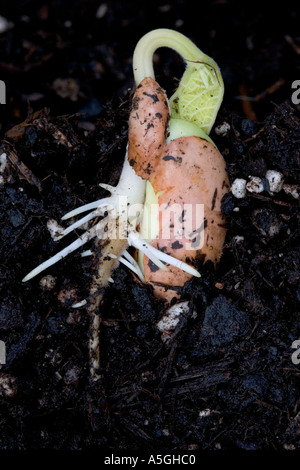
[238, 188]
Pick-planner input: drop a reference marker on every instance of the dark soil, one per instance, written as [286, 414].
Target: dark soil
[226, 379]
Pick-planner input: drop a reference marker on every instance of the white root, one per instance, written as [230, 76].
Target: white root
[62, 254]
[157, 256]
[132, 262]
[133, 266]
[85, 208]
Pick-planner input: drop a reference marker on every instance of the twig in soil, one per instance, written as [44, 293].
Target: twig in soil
[136, 430]
[268, 199]
[20, 166]
[168, 368]
[248, 100]
[201, 378]
[292, 43]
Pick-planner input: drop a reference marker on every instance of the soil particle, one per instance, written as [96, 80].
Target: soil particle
[223, 322]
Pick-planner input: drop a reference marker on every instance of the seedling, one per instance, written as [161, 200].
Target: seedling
[169, 157]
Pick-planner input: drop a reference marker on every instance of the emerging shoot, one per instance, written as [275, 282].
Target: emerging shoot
[200, 93]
